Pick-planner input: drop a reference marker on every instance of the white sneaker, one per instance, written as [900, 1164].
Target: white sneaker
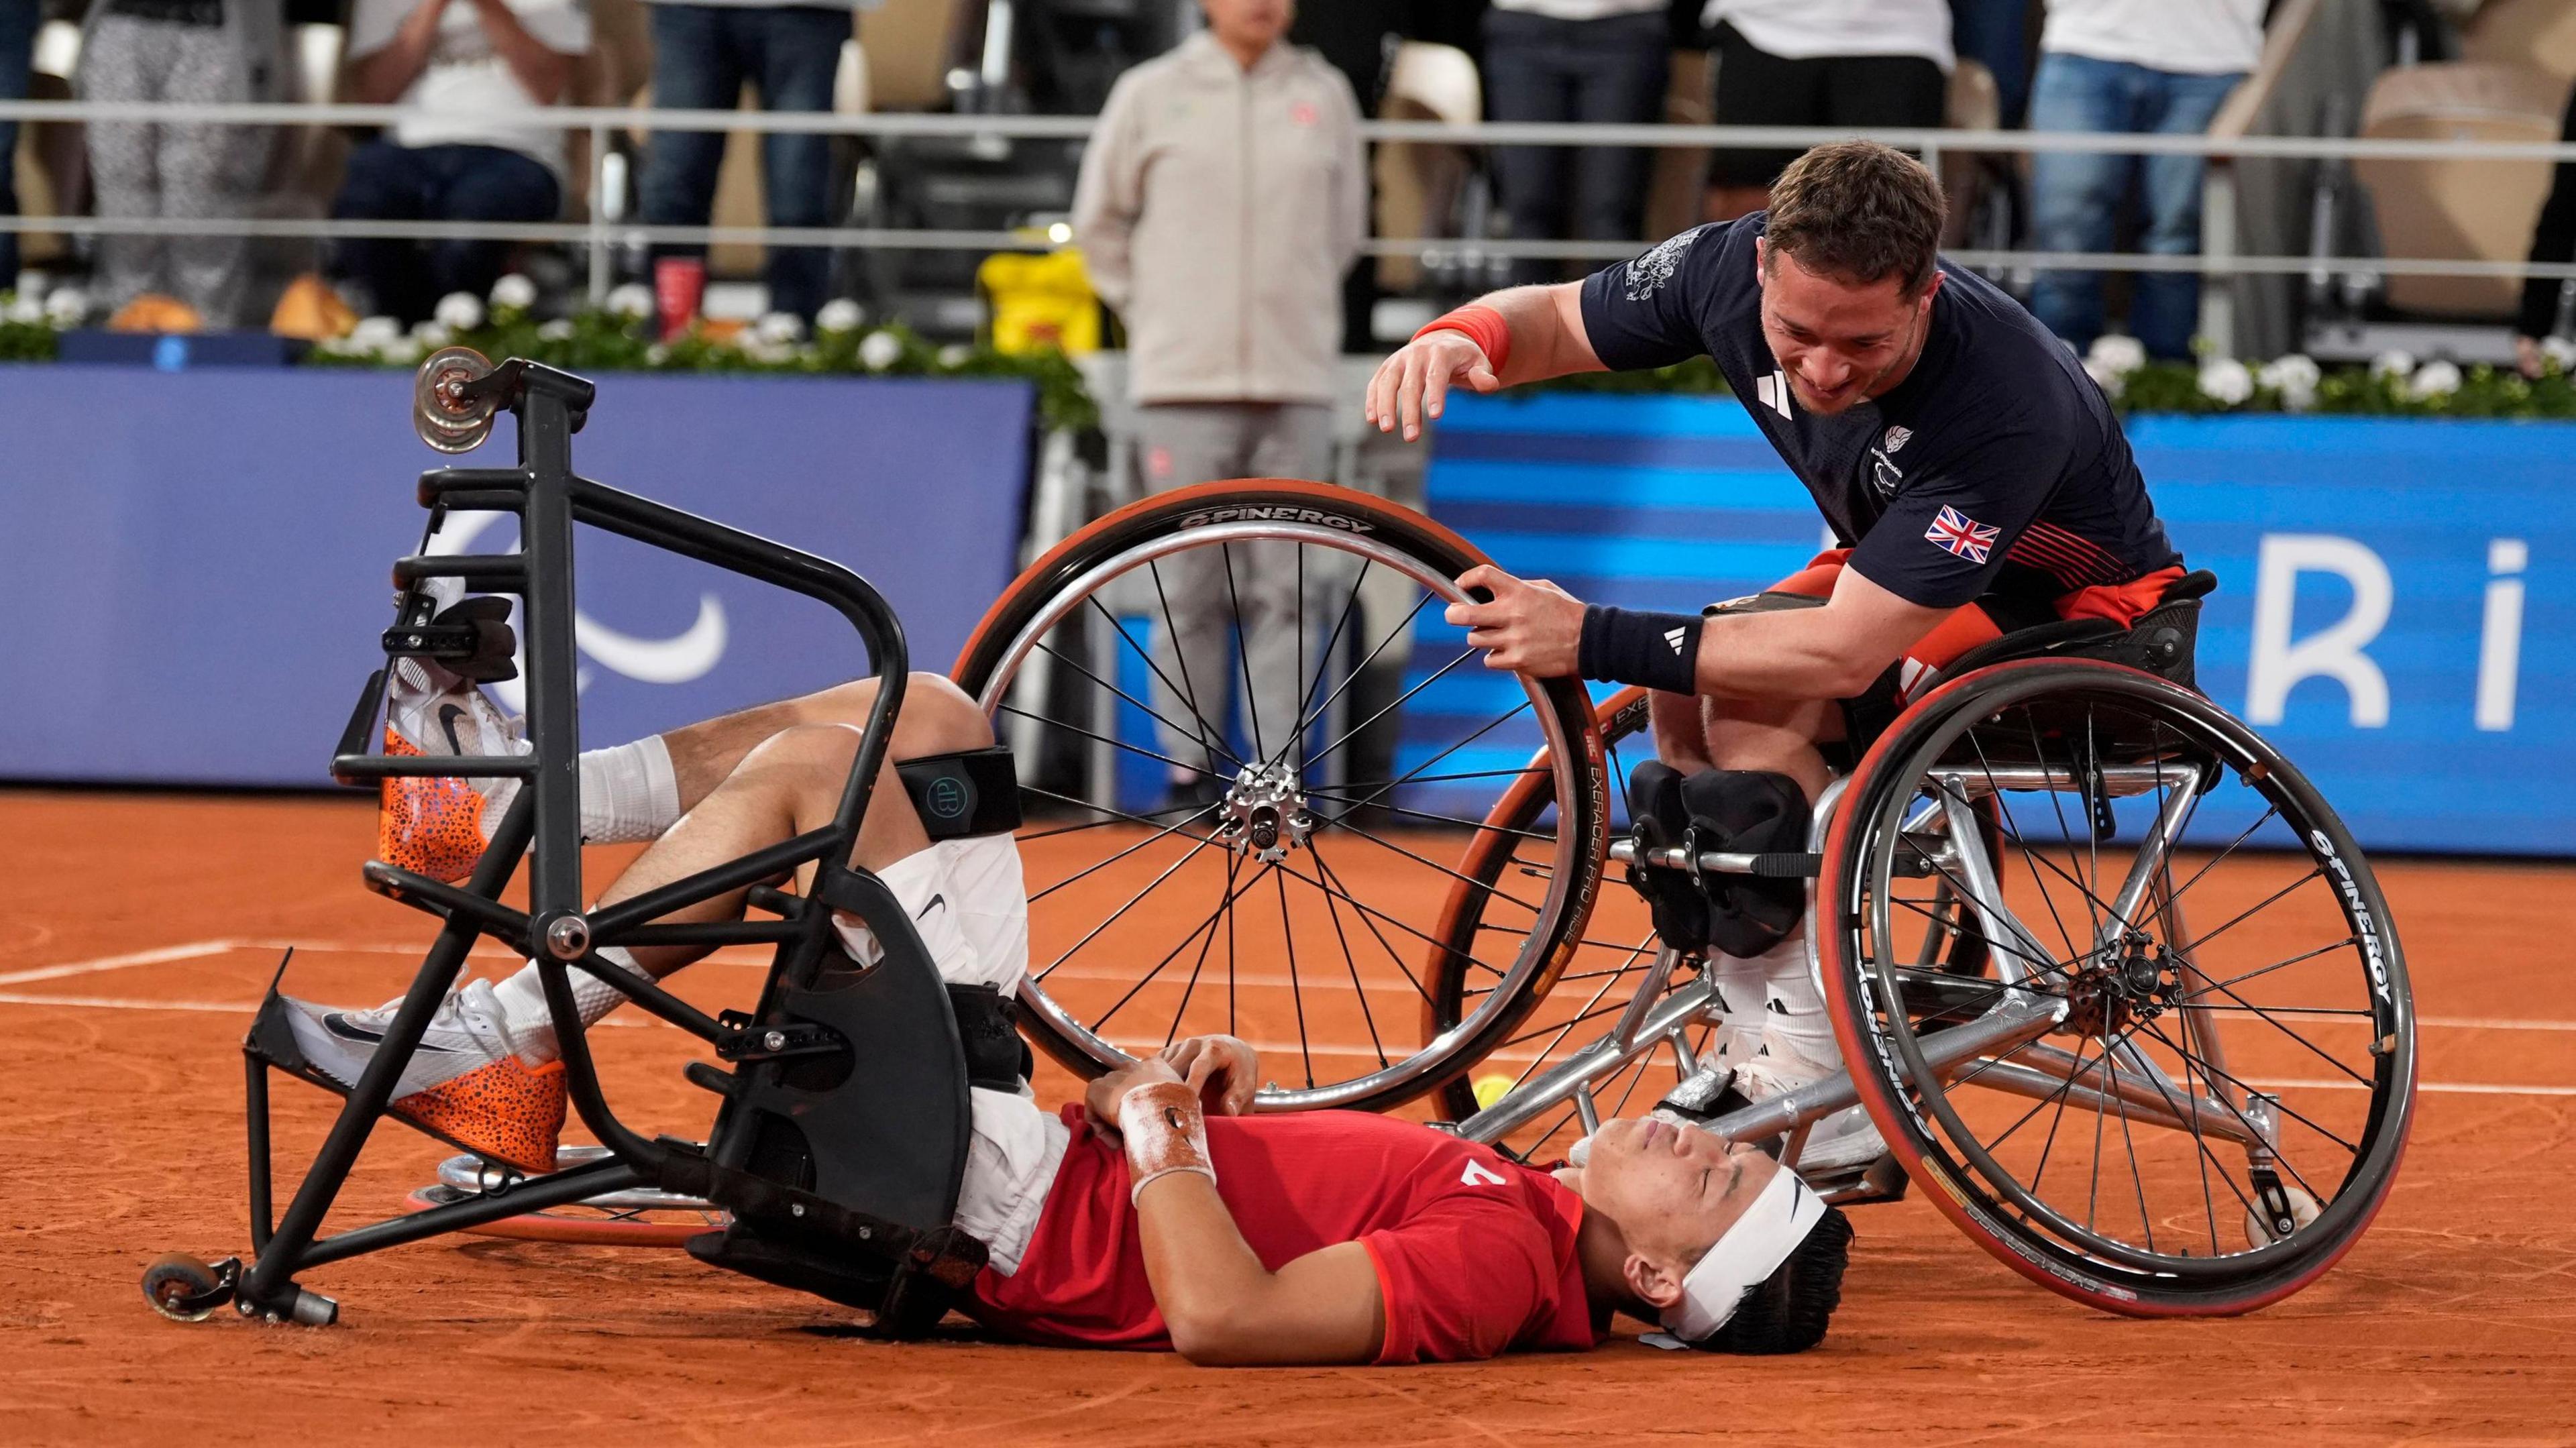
[469, 1082]
[1844, 1141]
[438, 826]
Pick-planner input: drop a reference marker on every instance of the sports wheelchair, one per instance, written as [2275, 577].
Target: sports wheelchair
[2114, 981]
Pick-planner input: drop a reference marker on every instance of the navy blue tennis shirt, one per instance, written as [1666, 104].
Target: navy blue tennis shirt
[1995, 473]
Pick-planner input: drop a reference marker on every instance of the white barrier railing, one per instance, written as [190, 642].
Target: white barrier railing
[601, 234]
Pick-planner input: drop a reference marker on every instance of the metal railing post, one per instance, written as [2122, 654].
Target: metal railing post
[598, 214]
[2218, 250]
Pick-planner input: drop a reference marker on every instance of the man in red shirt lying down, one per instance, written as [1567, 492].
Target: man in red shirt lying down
[1153, 1214]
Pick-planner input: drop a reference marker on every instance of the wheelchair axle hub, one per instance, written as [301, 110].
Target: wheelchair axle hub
[2139, 984]
[1264, 813]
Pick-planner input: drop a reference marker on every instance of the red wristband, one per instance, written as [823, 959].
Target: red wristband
[1484, 326]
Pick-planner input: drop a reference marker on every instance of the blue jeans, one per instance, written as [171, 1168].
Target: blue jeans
[386, 182]
[702, 55]
[17, 46]
[2076, 197]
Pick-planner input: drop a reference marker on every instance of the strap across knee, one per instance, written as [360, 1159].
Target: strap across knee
[1736, 811]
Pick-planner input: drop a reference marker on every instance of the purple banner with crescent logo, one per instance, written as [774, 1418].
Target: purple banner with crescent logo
[197, 563]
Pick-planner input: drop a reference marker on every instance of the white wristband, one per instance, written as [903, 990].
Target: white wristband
[1165, 1133]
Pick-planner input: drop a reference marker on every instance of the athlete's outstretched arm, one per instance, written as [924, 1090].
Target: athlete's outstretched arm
[1833, 652]
[1547, 340]
[1222, 1307]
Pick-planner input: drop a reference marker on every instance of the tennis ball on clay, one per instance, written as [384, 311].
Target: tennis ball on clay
[1490, 1089]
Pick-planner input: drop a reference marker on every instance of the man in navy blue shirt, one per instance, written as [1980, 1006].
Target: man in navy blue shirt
[1974, 477]
[1973, 474]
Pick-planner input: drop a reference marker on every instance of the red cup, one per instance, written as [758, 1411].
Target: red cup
[679, 286]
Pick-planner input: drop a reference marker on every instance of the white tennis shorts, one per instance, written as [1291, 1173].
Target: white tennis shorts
[971, 908]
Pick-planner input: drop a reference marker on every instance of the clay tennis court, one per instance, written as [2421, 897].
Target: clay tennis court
[137, 931]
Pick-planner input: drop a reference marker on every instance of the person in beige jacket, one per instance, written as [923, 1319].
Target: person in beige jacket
[1222, 198]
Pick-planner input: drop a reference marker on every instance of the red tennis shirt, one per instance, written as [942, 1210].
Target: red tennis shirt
[1474, 1252]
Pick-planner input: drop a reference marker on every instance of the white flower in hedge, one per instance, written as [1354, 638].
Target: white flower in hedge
[32, 283]
[955, 354]
[514, 291]
[459, 312]
[430, 336]
[558, 330]
[631, 301]
[780, 328]
[2392, 364]
[67, 307]
[2226, 380]
[880, 350]
[656, 355]
[2561, 351]
[2117, 354]
[26, 310]
[2112, 383]
[2295, 377]
[375, 334]
[840, 315]
[2433, 381]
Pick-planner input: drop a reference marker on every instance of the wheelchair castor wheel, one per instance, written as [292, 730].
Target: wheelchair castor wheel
[183, 1289]
[444, 415]
[2300, 1208]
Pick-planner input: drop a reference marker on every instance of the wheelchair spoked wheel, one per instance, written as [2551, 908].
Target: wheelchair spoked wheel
[2215, 1098]
[1218, 838]
[641, 1217]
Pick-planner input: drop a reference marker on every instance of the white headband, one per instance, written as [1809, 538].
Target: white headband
[1770, 1229]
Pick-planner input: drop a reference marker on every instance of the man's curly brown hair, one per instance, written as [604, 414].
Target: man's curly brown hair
[1857, 211]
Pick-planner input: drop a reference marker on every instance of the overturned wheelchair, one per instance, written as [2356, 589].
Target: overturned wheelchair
[841, 1123]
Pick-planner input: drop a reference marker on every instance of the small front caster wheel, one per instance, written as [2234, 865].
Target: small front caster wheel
[183, 1289]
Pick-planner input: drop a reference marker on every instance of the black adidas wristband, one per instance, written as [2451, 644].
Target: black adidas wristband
[1657, 650]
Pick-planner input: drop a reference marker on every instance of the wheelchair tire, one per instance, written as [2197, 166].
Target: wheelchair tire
[2156, 997]
[1372, 912]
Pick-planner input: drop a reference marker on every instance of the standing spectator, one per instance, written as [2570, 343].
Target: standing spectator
[474, 72]
[2152, 67]
[1862, 64]
[18, 19]
[2553, 242]
[1221, 199]
[702, 55]
[179, 50]
[1606, 62]
[1996, 35]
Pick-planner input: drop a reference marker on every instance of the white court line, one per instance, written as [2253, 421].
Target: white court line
[1278, 1049]
[190, 951]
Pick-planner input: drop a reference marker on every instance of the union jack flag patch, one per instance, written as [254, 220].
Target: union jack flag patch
[1962, 535]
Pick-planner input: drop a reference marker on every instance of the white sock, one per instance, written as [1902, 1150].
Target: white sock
[523, 1003]
[628, 793]
[1740, 986]
[1797, 1037]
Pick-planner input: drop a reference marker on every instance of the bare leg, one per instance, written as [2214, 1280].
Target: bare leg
[788, 781]
[703, 755]
[1767, 734]
[1681, 731]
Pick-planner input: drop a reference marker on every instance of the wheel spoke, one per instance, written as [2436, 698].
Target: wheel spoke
[1210, 736]
[1243, 669]
[1296, 993]
[1099, 738]
[1112, 918]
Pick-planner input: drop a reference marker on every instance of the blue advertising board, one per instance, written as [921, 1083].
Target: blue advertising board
[197, 562]
[2396, 610]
